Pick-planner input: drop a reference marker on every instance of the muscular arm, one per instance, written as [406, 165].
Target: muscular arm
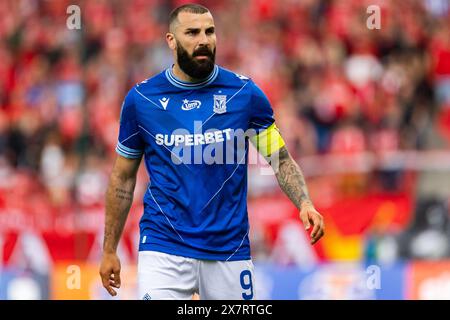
[119, 198]
[290, 178]
[292, 182]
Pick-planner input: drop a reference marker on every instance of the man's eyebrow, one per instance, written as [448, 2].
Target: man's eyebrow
[198, 29]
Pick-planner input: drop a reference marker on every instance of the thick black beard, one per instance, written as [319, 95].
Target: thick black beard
[194, 68]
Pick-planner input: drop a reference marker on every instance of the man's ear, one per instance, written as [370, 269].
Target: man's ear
[171, 42]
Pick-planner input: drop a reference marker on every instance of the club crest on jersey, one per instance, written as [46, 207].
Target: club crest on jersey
[189, 105]
[220, 104]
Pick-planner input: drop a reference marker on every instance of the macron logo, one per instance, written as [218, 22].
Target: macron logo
[164, 102]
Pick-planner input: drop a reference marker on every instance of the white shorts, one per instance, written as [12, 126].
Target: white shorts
[165, 276]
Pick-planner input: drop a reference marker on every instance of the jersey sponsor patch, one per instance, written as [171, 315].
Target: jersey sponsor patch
[190, 104]
[189, 140]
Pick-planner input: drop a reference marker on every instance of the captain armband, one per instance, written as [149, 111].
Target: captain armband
[268, 141]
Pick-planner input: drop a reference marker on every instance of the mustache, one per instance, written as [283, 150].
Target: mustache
[203, 51]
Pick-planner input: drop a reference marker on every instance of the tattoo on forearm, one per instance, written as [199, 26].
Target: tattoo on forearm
[118, 203]
[124, 194]
[291, 180]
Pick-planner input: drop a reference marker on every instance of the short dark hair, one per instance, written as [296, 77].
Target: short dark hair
[190, 7]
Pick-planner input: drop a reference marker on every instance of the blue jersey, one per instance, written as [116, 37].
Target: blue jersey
[191, 137]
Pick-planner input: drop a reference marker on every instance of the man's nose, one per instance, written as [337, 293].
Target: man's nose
[203, 40]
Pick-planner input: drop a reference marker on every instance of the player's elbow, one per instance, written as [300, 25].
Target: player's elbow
[125, 169]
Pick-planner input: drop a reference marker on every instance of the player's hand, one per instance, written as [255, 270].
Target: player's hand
[110, 272]
[310, 217]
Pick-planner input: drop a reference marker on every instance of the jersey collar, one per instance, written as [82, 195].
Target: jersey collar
[191, 85]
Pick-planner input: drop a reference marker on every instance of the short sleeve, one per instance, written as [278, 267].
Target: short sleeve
[265, 135]
[261, 113]
[130, 144]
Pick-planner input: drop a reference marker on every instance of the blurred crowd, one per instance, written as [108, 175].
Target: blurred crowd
[336, 86]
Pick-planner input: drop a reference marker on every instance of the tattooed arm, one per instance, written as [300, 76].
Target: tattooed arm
[119, 198]
[291, 180]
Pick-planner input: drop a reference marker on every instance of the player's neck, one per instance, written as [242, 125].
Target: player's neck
[181, 75]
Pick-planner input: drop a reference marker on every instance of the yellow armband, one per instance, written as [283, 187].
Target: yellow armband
[268, 141]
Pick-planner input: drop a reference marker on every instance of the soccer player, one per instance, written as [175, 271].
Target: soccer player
[193, 123]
